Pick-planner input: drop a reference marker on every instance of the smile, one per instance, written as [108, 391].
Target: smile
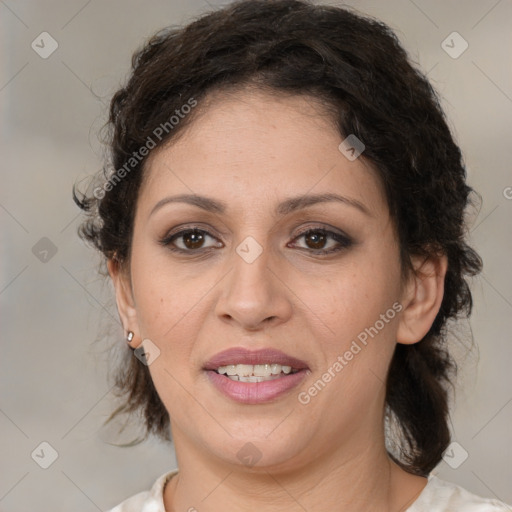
[254, 377]
[255, 372]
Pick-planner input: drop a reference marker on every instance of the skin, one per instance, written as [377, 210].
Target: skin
[252, 150]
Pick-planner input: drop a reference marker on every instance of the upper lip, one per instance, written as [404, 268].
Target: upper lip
[241, 355]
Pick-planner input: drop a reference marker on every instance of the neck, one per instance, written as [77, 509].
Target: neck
[351, 479]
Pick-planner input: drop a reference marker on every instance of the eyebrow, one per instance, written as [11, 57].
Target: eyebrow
[284, 208]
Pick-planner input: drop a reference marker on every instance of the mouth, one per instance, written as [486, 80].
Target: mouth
[253, 377]
[255, 372]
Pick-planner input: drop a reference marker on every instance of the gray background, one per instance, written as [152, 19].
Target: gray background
[54, 385]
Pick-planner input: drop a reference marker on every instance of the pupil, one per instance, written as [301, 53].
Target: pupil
[195, 238]
[318, 239]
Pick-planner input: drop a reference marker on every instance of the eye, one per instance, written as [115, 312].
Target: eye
[317, 239]
[188, 240]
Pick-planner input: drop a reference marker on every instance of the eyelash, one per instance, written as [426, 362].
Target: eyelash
[343, 240]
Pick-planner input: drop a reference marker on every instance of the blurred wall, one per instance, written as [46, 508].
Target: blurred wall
[54, 386]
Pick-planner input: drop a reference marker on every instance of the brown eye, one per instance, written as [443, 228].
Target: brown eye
[188, 240]
[193, 239]
[318, 239]
[315, 240]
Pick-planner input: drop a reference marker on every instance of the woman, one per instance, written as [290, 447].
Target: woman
[283, 225]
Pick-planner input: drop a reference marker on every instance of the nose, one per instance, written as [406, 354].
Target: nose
[254, 294]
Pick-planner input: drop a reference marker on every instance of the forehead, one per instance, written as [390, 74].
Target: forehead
[251, 148]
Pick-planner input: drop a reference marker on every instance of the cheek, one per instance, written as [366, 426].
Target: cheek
[353, 298]
[173, 302]
[361, 307]
[166, 293]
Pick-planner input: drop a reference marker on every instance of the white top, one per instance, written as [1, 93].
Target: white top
[437, 496]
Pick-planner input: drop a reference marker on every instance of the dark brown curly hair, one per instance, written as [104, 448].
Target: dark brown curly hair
[356, 67]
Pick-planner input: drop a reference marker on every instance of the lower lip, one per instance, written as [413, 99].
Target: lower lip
[255, 392]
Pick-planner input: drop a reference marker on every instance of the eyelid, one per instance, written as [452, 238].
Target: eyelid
[206, 228]
[178, 232]
[342, 240]
[323, 227]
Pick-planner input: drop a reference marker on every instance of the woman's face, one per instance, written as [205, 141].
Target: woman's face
[250, 280]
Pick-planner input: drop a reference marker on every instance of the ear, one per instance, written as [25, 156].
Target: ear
[124, 299]
[422, 298]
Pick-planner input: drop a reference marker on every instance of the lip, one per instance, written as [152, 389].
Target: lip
[255, 392]
[241, 355]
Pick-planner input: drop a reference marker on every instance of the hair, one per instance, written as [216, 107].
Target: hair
[356, 67]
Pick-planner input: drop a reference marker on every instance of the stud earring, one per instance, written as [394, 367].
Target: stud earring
[129, 336]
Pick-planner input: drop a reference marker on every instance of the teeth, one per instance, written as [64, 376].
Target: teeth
[230, 370]
[253, 373]
[254, 378]
[262, 370]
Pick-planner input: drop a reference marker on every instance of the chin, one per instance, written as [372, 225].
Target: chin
[262, 448]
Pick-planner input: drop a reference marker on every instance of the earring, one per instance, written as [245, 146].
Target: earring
[129, 336]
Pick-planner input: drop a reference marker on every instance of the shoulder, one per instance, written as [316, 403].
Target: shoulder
[147, 501]
[442, 496]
